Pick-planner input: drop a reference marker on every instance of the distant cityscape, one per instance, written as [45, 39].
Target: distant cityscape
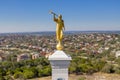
[90, 45]
[43, 43]
[66, 32]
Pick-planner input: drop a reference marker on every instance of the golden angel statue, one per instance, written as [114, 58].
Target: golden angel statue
[59, 30]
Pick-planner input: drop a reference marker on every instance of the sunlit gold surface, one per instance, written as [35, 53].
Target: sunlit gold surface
[59, 30]
[59, 46]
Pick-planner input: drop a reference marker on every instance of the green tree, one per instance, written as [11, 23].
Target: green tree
[108, 68]
[46, 71]
[2, 78]
[2, 72]
[18, 75]
[28, 74]
[117, 69]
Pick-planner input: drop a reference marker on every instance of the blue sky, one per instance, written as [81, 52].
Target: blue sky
[83, 15]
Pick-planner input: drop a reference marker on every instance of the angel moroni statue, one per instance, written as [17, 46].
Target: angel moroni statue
[59, 30]
[59, 60]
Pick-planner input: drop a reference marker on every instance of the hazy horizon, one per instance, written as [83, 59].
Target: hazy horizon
[64, 31]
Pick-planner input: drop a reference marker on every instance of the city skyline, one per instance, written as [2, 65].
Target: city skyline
[82, 15]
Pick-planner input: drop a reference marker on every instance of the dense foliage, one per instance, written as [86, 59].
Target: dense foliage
[41, 67]
[25, 69]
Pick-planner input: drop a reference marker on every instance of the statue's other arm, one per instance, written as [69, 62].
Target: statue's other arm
[63, 24]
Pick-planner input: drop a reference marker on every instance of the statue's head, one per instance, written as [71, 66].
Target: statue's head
[60, 16]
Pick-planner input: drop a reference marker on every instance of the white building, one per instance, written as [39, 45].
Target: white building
[117, 54]
[1, 59]
[35, 55]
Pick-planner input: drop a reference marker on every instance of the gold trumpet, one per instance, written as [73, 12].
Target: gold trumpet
[51, 12]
